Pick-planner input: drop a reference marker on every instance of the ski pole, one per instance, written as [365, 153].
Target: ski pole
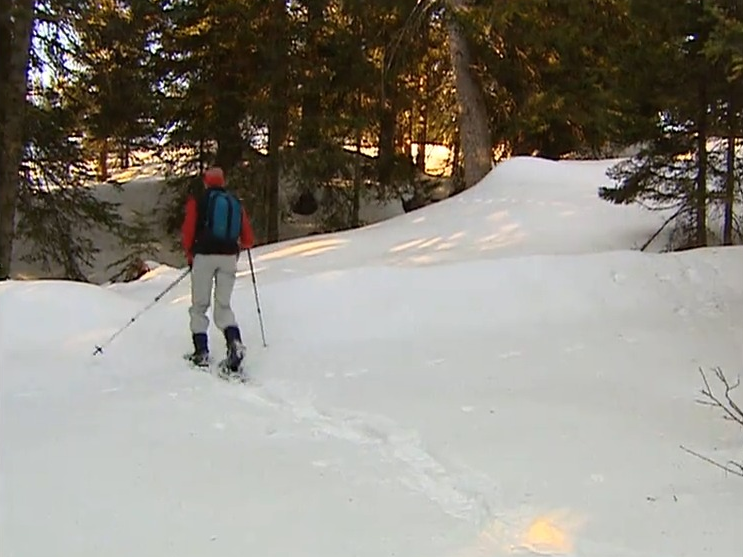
[99, 348]
[257, 301]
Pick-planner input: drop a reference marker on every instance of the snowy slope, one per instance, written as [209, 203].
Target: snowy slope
[439, 399]
[525, 206]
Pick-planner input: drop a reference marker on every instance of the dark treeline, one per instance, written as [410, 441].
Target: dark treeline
[276, 90]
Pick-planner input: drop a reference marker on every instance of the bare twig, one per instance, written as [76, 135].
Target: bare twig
[729, 406]
[731, 467]
[731, 409]
[657, 233]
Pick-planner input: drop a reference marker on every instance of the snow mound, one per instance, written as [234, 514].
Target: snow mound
[524, 206]
[49, 311]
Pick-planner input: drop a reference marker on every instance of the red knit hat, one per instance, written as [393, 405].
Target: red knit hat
[214, 176]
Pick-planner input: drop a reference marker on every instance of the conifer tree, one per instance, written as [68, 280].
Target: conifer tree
[673, 170]
[16, 26]
[57, 211]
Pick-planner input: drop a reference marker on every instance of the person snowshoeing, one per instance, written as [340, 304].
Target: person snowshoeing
[216, 228]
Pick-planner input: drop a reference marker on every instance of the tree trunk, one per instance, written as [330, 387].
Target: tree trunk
[229, 139]
[16, 23]
[309, 133]
[357, 177]
[701, 185]
[276, 136]
[202, 156]
[473, 116]
[278, 118]
[702, 134]
[229, 147]
[405, 135]
[387, 132]
[422, 139]
[125, 156]
[456, 165]
[424, 94]
[727, 232]
[103, 160]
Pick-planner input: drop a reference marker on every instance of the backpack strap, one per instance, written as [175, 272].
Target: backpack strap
[234, 216]
[210, 197]
[202, 206]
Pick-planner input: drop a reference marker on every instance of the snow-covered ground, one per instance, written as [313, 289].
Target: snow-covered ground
[497, 374]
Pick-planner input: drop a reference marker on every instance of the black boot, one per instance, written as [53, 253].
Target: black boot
[200, 355]
[235, 348]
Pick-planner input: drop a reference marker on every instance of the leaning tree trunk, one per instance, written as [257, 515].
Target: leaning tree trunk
[16, 23]
[473, 116]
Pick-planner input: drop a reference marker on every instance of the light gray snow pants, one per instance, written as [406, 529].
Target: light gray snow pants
[219, 271]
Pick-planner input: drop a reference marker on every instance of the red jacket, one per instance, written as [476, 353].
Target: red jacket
[188, 229]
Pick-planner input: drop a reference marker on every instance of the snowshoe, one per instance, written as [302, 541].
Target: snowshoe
[226, 371]
[200, 359]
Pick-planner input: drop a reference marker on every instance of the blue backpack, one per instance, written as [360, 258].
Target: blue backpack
[223, 218]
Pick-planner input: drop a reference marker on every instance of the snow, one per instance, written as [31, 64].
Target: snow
[501, 373]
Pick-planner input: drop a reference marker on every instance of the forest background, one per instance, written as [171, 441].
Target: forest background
[318, 108]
